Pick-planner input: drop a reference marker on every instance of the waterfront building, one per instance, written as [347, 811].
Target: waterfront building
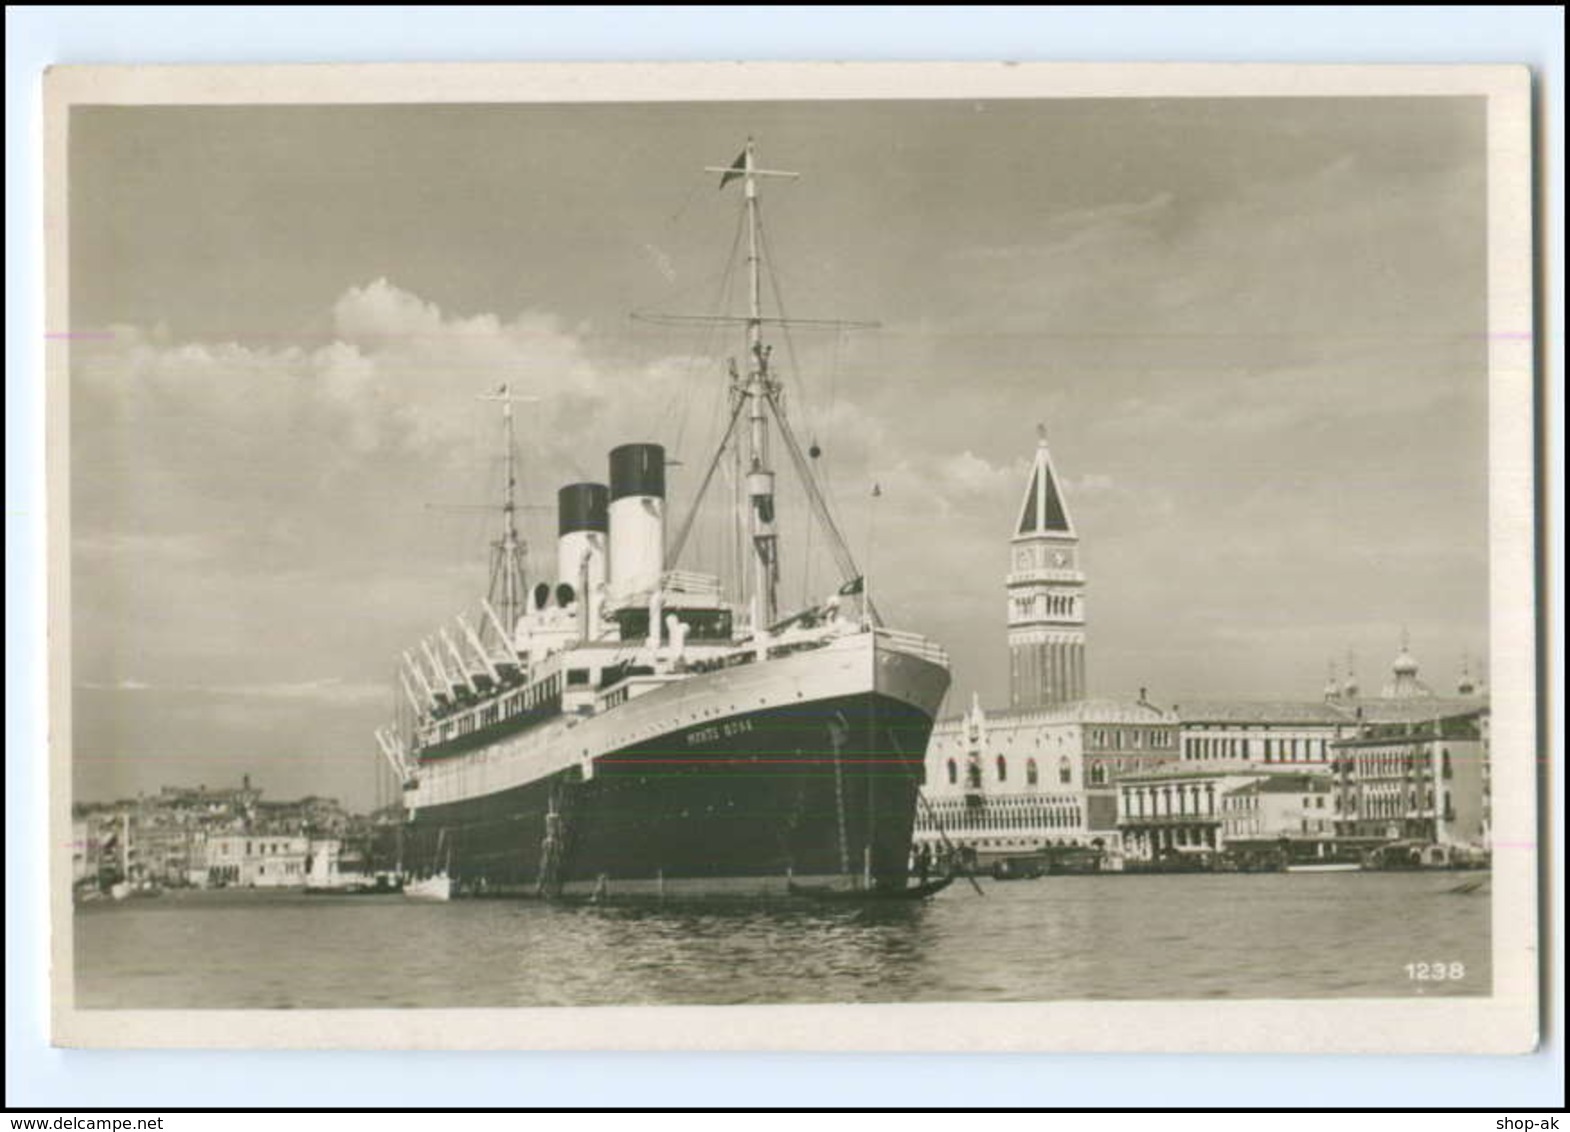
[1279, 807]
[1010, 783]
[227, 803]
[1275, 733]
[1178, 810]
[252, 861]
[1414, 765]
[162, 845]
[1186, 810]
[1303, 733]
[178, 836]
[1416, 769]
[108, 841]
[309, 815]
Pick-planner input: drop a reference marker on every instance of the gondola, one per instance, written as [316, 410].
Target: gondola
[912, 892]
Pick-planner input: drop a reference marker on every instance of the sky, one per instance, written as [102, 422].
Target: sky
[1254, 330]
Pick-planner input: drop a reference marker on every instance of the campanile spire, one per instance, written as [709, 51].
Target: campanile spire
[1046, 612]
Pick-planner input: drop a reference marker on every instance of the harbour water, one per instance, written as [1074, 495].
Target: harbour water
[1054, 939]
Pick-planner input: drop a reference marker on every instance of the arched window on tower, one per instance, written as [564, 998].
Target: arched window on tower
[1031, 777]
[1065, 771]
[1003, 769]
[1098, 774]
[953, 772]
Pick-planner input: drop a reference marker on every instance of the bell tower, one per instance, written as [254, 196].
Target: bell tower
[1046, 610]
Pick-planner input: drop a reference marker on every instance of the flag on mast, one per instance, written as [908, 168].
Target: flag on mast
[737, 168]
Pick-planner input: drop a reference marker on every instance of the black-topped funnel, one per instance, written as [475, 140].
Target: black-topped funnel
[637, 469]
[583, 507]
[637, 513]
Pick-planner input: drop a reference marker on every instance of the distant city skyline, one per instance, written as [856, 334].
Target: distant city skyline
[1254, 330]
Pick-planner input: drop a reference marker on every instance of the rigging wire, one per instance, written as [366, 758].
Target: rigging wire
[681, 210]
[727, 284]
[796, 373]
[831, 520]
[698, 351]
[708, 345]
[686, 528]
[838, 545]
[675, 417]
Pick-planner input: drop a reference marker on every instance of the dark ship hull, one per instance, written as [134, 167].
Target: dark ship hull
[818, 790]
[758, 808]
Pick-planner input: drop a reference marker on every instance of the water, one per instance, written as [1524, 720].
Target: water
[1058, 938]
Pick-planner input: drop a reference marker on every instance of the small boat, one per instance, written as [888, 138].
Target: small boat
[913, 892]
[382, 884]
[1018, 868]
[1325, 867]
[1468, 887]
[438, 887]
[119, 890]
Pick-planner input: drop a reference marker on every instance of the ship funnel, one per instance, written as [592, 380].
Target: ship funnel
[637, 519]
[581, 523]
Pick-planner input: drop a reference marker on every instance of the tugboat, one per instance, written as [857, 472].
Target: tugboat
[634, 729]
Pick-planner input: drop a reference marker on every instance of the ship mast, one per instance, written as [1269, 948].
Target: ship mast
[759, 388]
[508, 581]
[758, 394]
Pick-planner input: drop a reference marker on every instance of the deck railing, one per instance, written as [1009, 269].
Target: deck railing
[914, 644]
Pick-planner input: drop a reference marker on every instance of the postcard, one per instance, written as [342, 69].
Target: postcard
[810, 556]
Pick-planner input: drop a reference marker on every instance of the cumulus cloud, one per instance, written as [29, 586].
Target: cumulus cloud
[969, 474]
[175, 430]
[263, 510]
[1089, 483]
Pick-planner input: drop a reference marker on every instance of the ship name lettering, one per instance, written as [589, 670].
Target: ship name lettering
[718, 731]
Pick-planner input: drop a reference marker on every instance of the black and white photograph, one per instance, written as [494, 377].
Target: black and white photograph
[530, 539]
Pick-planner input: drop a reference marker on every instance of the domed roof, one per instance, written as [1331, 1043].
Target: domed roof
[1405, 664]
[1404, 684]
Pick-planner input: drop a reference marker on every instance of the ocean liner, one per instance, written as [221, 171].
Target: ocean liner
[637, 729]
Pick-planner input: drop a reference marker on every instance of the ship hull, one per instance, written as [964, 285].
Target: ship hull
[820, 792]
